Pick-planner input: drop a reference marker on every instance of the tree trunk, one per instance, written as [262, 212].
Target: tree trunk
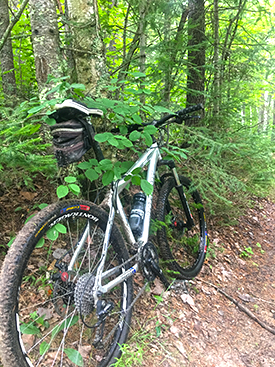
[88, 47]
[142, 54]
[216, 81]
[45, 38]
[196, 53]
[6, 54]
[135, 44]
[273, 121]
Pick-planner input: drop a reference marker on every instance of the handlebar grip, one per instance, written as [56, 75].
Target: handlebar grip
[187, 110]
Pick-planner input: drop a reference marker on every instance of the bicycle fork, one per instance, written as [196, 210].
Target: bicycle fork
[189, 217]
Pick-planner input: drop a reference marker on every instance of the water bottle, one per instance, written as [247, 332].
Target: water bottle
[137, 214]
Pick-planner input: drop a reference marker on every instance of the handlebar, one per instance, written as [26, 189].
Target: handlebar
[178, 117]
[181, 115]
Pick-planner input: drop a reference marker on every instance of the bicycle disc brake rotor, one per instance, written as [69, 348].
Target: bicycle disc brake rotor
[148, 256]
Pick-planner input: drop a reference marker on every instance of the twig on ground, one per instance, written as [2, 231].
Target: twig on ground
[241, 307]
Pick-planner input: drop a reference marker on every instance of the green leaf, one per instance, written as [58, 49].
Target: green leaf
[11, 241]
[36, 109]
[70, 179]
[52, 234]
[62, 191]
[136, 180]
[44, 347]
[137, 119]
[29, 329]
[148, 139]
[78, 86]
[103, 137]
[106, 164]
[161, 109]
[29, 218]
[126, 142]
[108, 177]
[75, 189]
[150, 129]
[87, 165]
[42, 206]
[49, 121]
[91, 174]
[135, 135]
[74, 356]
[60, 228]
[136, 170]
[40, 243]
[146, 187]
[113, 141]
[138, 74]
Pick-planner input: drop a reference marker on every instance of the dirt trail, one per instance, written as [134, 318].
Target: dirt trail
[212, 331]
[202, 328]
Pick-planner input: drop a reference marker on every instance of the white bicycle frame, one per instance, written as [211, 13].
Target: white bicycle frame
[151, 157]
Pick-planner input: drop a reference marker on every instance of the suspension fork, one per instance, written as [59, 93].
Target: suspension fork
[171, 164]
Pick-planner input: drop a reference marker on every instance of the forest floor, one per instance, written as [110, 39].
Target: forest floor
[227, 319]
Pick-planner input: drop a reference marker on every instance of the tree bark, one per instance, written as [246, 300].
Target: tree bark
[135, 44]
[216, 81]
[142, 47]
[6, 53]
[174, 52]
[88, 47]
[273, 121]
[196, 53]
[45, 39]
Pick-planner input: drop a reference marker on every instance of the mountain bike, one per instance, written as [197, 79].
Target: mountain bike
[66, 284]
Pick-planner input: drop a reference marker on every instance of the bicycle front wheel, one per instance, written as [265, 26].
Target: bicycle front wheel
[183, 249]
[48, 314]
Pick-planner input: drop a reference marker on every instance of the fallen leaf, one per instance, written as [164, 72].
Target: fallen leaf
[175, 330]
[180, 348]
[186, 298]
[158, 287]
[45, 311]
[28, 195]
[28, 340]
[85, 350]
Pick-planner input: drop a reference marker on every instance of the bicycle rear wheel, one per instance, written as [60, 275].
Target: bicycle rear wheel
[183, 250]
[47, 312]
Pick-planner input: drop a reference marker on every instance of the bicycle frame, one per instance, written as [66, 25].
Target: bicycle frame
[151, 157]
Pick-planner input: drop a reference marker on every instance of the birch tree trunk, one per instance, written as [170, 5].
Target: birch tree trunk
[6, 54]
[45, 38]
[88, 48]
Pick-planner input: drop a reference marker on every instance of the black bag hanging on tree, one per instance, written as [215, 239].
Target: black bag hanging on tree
[72, 134]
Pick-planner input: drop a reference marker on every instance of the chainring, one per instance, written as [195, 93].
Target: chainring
[148, 252]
